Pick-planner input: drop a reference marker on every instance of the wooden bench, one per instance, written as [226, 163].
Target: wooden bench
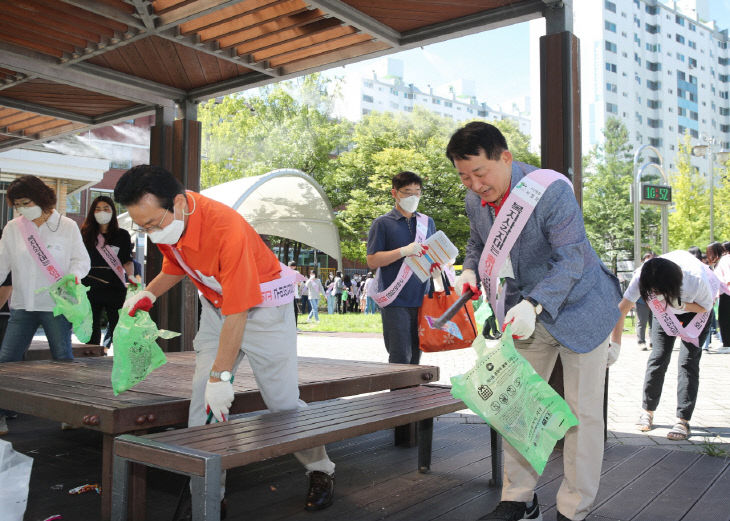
[203, 452]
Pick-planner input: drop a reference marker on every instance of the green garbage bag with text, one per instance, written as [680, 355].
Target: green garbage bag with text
[73, 303]
[136, 353]
[512, 398]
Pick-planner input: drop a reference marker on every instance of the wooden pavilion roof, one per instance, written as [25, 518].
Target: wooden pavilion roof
[66, 65]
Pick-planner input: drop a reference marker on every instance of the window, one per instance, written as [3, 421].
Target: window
[651, 9]
[639, 118]
[637, 78]
[692, 27]
[122, 164]
[680, 56]
[394, 105]
[610, 26]
[724, 128]
[723, 61]
[637, 59]
[368, 84]
[692, 96]
[723, 94]
[610, 67]
[724, 111]
[436, 101]
[723, 77]
[692, 63]
[679, 19]
[691, 44]
[652, 29]
[612, 108]
[611, 87]
[681, 76]
[681, 129]
[693, 115]
[73, 202]
[654, 123]
[653, 47]
[655, 141]
[367, 98]
[610, 6]
[408, 109]
[722, 45]
[681, 111]
[654, 85]
[693, 133]
[653, 104]
[610, 46]
[393, 91]
[679, 38]
[693, 79]
[408, 95]
[654, 66]
[448, 104]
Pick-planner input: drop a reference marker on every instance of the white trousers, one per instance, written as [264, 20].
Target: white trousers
[270, 342]
[583, 382]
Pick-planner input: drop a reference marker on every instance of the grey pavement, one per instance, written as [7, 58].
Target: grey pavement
[710, 423]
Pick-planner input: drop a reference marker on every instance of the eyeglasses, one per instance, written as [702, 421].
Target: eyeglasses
[409, 193]
[153, 228]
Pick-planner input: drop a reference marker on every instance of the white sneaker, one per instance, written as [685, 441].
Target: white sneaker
[723, 351]
[3, 426]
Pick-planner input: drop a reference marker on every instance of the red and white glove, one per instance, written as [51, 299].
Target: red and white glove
[414, 248]
[142, 300]
[218, 399]
[467, 280]
[522, 317]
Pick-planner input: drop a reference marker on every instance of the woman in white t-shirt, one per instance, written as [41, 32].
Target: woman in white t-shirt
[722, 270]
[681, 284]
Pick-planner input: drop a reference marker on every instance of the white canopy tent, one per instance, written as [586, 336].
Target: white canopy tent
[286, 202]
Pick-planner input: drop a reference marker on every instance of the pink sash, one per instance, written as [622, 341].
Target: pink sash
[39, 252]
[673, 327]
[275, 293]
[111, 258]
[507, 226]
[389, 294]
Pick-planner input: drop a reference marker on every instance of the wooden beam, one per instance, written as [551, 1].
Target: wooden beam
[191, 11]
[44, 110]
[145, 12]
[357, 18]
[107, 11]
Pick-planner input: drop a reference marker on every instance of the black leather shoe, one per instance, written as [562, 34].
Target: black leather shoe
[184, 510]
[321, 490]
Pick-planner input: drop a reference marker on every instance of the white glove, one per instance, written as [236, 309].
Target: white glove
[614, 349]
[218, 398]
[414, 248]
[467, 278]
[522, 317]
[142, 300]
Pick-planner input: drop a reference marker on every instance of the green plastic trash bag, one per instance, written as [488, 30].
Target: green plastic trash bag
[512, 398]
[73, 303]
[136, 353]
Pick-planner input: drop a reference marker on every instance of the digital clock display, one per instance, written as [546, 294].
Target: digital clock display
[656, 194]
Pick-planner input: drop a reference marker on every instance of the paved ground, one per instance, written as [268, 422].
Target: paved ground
[710, 423]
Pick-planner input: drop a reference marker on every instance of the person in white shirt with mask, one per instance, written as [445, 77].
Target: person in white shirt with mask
[314, 290]
[677, 287]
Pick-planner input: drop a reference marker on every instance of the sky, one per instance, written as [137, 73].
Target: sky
[498, 61]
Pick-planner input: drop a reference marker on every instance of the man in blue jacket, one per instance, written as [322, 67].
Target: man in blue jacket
[560, 300]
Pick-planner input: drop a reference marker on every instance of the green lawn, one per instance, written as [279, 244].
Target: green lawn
[360, 323]
[349, 322]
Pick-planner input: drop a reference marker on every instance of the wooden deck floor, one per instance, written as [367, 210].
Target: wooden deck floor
[378, 481]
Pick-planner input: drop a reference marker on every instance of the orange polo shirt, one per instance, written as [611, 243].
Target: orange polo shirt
[219, 243]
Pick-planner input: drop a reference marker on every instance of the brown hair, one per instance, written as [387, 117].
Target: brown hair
[34, 189]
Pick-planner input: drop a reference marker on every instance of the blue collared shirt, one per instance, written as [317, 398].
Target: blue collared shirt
[389, 232]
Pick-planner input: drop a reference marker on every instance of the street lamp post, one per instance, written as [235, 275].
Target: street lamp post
[636, 197]
[710, 150]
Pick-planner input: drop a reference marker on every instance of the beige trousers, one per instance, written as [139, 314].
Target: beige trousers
[583, 377]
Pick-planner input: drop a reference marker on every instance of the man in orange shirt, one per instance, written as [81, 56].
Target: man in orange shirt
[245, 298]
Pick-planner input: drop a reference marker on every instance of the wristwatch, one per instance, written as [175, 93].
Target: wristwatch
[224, 376]
[536, 304]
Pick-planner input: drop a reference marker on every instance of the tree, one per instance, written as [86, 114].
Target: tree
[722, 202]
[607, 209]
[286, 125]
[689, 224]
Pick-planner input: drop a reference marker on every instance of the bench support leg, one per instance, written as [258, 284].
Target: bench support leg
[206, 491]
[425, 439]
[120, 491]
[497, 462]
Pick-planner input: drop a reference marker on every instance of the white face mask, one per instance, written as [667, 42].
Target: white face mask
[170, 234]
[30, 212]
[410, 203]
[103, 217]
